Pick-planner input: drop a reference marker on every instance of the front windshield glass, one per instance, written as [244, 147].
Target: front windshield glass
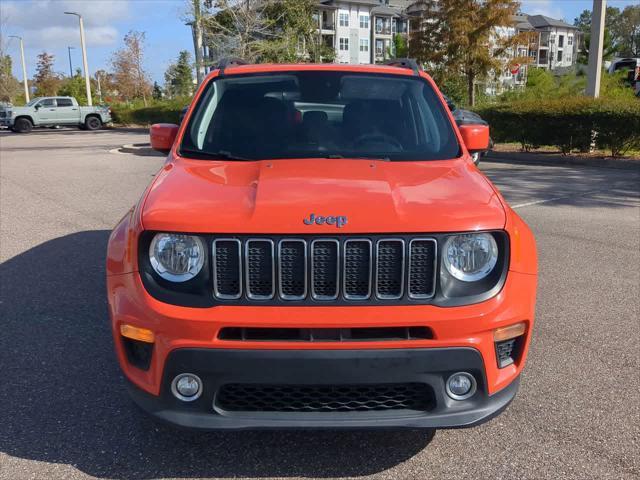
[34, 101]
[319, 115]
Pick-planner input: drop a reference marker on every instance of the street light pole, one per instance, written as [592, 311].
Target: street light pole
[84, 57]
[70, 66]
[24, 69]
[595, 48]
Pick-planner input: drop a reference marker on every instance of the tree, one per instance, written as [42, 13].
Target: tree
[458, 37]
[128, 68]
[10, 87]
[75, 87]
[156, 93]
[628, 31]
[400, 47]
[608, 47]
[178, 77]
[46, 81]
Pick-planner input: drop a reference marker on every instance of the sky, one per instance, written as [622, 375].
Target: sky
[44, 27]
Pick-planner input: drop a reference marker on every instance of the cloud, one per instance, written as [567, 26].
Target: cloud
[44, 25]
[542, 7]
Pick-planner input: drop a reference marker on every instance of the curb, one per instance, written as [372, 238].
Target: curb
[559, 160]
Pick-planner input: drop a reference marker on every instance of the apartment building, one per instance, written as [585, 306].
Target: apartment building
[362, 31]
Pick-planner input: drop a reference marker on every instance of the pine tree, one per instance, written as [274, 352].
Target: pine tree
[179, 76]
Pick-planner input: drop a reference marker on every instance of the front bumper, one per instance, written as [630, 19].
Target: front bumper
[430, 366]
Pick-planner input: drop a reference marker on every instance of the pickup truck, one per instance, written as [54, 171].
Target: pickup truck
[53, 111]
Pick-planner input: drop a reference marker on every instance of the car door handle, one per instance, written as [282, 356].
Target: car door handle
[52, 109]
[74, 109]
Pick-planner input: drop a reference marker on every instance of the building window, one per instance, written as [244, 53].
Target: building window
[364, 21]
[559, 56]
[560, 41]
[379, 47]
[344, 44]
[379, 25]
[364, 45]
[570, 40]
[344, 19]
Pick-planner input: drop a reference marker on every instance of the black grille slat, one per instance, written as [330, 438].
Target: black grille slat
[357, 269]
[390, 269]
[227, 269]
[357, 334]
[422, 254]
[324, 398]
[324, 269]
[260, 269]
[293, 269]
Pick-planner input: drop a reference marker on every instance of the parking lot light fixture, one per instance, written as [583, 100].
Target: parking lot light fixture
[24, 69]
[84, 57]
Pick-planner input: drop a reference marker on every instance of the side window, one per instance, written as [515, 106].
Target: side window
[47, 102]
[64, 102]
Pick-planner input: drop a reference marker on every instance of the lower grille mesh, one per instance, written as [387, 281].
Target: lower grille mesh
[324, 398]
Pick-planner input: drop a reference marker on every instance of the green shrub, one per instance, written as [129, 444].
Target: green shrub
[568, 123]
[159, 111]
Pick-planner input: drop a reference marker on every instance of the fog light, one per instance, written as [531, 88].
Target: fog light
[186, 387]
[461, 386]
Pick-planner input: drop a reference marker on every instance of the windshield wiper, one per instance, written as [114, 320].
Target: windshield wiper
[358, 157]
[219, 155]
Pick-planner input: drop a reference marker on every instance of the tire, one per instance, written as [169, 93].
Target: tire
[92, 123]
[22, 125]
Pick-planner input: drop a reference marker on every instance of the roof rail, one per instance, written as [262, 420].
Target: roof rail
[405, 63]
[230, 62]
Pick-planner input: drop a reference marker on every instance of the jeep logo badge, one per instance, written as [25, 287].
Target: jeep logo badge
[330, 220]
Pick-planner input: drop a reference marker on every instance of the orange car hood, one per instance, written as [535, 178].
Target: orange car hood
[201, 196]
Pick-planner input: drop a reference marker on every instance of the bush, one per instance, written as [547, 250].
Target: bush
[167, 111]
[567, 123]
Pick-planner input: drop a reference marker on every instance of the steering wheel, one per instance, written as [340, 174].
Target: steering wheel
[377, 138]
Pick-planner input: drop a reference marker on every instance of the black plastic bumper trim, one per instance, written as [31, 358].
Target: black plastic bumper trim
[432, 366]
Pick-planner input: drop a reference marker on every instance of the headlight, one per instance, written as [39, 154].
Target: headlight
[176, 257]
[470, 257]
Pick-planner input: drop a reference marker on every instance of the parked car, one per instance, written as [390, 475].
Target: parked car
[53, 111]
[319, 252]
[467, 117]
[632, 67]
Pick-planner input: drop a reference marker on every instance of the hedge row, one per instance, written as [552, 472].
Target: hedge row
[168, 112]
[570, 124]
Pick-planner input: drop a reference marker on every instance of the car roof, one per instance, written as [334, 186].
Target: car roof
[319, 67]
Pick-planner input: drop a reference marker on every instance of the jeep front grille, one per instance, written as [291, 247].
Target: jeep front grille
[350, 269]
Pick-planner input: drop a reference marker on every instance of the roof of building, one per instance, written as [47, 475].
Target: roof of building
[386, 10]
[541, 21]
[521, 22]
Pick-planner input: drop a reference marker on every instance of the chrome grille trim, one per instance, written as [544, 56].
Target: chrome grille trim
[313, 293]
[344, 269]
[402, 269]
[306, 261]
[247, 246]
[435, 268]
[216, 290]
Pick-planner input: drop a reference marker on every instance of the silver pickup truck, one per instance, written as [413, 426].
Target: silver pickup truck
[53, 111]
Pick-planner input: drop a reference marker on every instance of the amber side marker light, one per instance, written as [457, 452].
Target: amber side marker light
[507, 333]
[135, 333]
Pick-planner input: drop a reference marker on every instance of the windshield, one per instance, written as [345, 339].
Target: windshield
[34, 101]
[320, 115]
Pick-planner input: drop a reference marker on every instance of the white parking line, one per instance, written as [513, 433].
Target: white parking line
[546, 200]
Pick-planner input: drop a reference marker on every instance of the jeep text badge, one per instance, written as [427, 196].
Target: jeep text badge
[330, 220]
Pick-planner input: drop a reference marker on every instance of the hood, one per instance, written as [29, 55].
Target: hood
[277, 196]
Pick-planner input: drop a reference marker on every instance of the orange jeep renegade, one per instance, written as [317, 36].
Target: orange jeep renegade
[320, 251]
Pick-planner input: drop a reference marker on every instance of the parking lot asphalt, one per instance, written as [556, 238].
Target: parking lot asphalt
[64, 412]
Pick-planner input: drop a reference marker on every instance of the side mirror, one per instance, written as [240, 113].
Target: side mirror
[162, 136]
[37, 107]
[475, 137]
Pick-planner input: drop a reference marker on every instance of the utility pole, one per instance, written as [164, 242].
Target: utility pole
[196, 30]
[24, 69]
[70, 66]
[595, 48]
[84, 57]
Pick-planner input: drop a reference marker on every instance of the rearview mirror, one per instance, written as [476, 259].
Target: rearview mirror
[162, 136]
[475, 137]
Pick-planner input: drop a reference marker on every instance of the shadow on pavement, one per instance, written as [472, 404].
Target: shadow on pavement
[63, 397]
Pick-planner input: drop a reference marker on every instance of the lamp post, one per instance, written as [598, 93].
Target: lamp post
[70, 65]
[24, 69]
[595, 48]
[84, 57]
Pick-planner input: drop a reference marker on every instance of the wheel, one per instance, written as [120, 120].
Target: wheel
[22, 125]
[92, 123]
